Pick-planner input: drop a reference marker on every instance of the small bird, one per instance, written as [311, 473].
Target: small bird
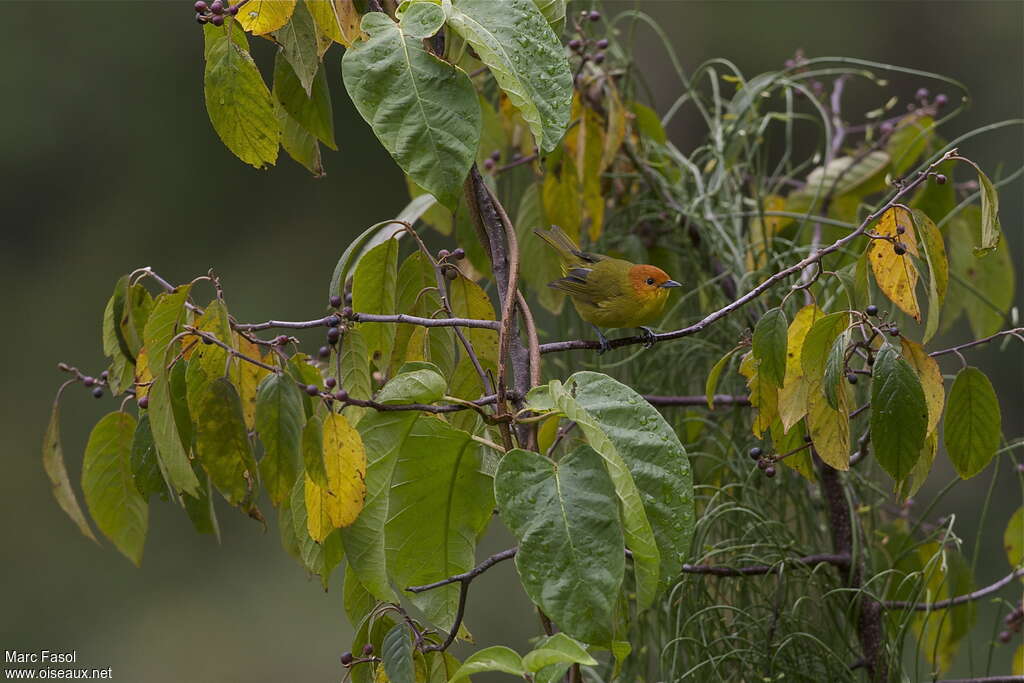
[609, 292]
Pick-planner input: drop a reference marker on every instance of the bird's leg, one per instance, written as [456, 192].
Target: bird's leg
[648, 336]
[603, 340]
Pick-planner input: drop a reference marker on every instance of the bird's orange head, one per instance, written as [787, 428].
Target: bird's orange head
[650, 282]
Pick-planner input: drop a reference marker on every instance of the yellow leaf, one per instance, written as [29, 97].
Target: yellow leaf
[416, 348]
[318, 524]
[337, 20]
[896, 274]
[793, 395]
[468, 300]
[263, 16]
[764, 396]
[561, 197]
[249, 378]
[1018, 661]
[546, 433]
[345, 463]
[931, 379]
[829, 428]
[143, 375]
[616, 132]
[584, 144]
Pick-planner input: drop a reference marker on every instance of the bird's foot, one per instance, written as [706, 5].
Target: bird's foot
[602, 340]
[647, 334]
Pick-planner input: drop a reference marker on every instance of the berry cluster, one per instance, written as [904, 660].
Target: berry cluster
[765, 462]
[588, 49]
[348, 660]
[214, 12]
[96, 384]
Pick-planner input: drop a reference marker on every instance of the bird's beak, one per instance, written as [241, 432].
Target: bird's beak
[670, 283]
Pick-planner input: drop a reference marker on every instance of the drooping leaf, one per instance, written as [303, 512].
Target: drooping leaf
[345, 464]
[818, 342]
[423, 110]
[396, 651]
[318, 558]
[239, 103]
[972, 428]
[931, 379]
[1013, 538]
[279, 422]
[222, 442]
[829, 427]
[922, 468]
[355, 372]
[442, 501]
[336, 20]
[53, 463]
[896, 274]
[571, 550]
[983, 287]
[769, 346]
[526, 58]
[938, 269]
[716, 372]
[298, 44]
[313, 450]
[199, 508]
[834, 367]
[991, 231]
[373, 291]
[249, 377]
[145, 465]
[110, 493]
[899, 413]
[561, 195]
[764, 397]
[494, 658]
[557, 649]
[793, 395]
[264, 16]
[312, 110]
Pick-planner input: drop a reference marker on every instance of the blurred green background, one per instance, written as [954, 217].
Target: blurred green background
[108, 162]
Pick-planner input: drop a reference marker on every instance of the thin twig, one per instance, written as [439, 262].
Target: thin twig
[958, 600]
[718, 400]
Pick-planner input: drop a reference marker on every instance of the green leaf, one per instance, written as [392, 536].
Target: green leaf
[297, 39]
[302, 371]
[940, 632]
[414, 383]
[495, 658]
[164, 323]
[983, 287]
[237, 100]
[114, 502]
[526, 58]
[991, 231]
[200, 508]
[312, 444]
[396, 651]
[1013, 538]
[222, 442]
[571, 547]
[423, 110]
[53, 463]
[145, 465]
[383, 435]
[138, 304]
[711, 385]
[420, 19]
[818, 342]
[899, 413]
[417, 295]
[972, 428]
[115, 345]
[938, 269]
[834, 375]
[554, 13]
[770, 335]
[442, 501]
[317, 558]
[279, 422]
[311, 110]
[468, 300]
[908, 142]
[355, 372]
[639, 534]
[654, 455]
[300, 144]
[648, 123]
[373, 291]
[358, 601]
[557, 649]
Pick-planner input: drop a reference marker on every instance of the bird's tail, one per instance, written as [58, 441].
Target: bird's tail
[568, 250]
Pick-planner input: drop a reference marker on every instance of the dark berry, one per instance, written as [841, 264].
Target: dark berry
[1005, 637]
[762, 464]
[333, 321]
[941, 99]
[594, 15]
[217, 7]
[346, 658]
[324, 352]
[348, 298]
[756, 452]
[333, 335]
[575, 44]
[940, 179]
[598, 58]
[851, 377]
[459, 254]
[489, 164]
[200, 6]
[335, 301]
[899, 248]
[97, 392]
[887, 127]
[105, 374]
[233, 10]
[331, 382]
[769, 471]
[144, 402]
[900, 229]
[807, 438]
[443, 254]
[922, 93]
[368, 649]
[496, 154]
[451, 273]
[312, 389]
[206, 340]
[871, 310]
[894, 332]
[602, 44]
[88, 381]
[347, 312]
[340, 395]
[217, 20]
[1020, 467]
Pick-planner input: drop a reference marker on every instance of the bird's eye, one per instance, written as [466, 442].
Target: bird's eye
[650, 280]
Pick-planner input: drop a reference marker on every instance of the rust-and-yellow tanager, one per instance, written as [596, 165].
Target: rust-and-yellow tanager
[608, 292]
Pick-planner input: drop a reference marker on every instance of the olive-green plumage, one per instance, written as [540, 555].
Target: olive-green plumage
[608, 292]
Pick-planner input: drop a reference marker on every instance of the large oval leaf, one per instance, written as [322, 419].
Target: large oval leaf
[373, 291]
[110, 493]
[423, 110]
[899, 413]
[222, 441]
[526, 58]
[896, 274]
[571, 556]
[279, 422]
[769, 345]
[973, 425]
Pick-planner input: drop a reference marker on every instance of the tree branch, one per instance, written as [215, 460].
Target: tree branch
[718, 400]
[958, 600]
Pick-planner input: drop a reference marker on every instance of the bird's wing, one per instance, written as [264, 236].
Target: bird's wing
[576, 285]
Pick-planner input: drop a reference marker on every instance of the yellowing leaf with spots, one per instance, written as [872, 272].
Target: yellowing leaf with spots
[793, 395]
[263, 16]
[249, 378]
[896, 274]
[318, 523]
[764, 397]
[345, 462]
[338, 20]
[931, 379]
[143, 375]
[830, 427]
